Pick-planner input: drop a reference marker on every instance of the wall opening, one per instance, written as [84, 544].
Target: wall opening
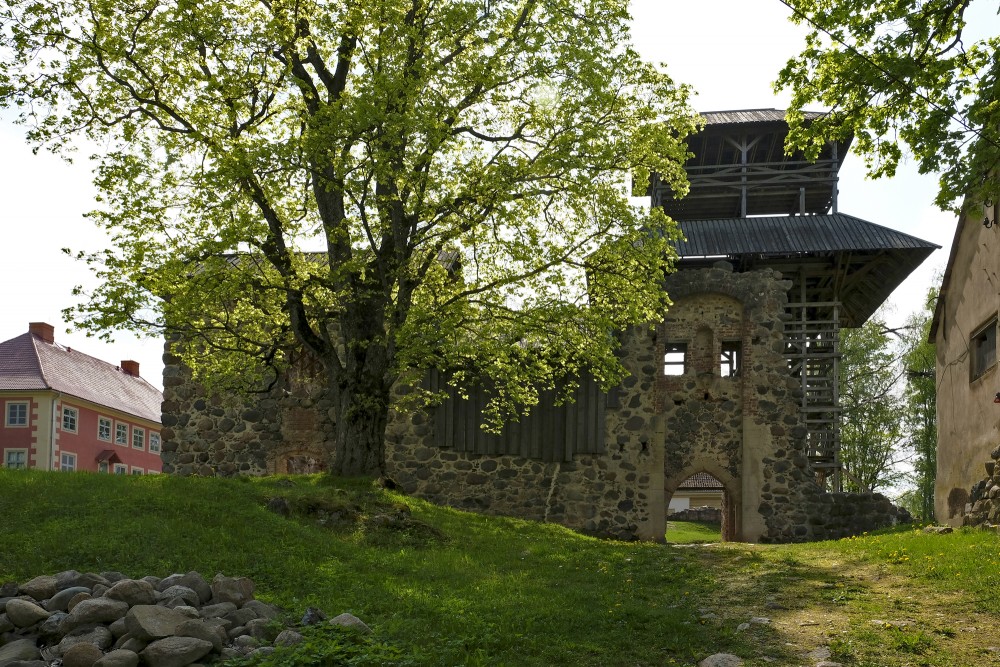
[697, 511]
[675, 359]
[730, 358]
[983, 347]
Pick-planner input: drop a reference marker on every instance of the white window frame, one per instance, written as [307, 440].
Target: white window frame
[118, 429]
[75, 412]
[8, 454]
[138, 471]
[27, 414]
[101, 421]
[67, 462]
[120, 469]
[138, 431]
[154, 437]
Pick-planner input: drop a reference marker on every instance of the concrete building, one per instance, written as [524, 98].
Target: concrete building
[964, 331]
[65, 410]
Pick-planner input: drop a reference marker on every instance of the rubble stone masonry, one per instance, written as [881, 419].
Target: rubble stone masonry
[745, 430]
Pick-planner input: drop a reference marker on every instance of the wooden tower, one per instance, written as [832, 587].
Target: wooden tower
[756, 207]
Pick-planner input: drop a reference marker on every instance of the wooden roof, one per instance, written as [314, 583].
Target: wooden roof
[739, 167]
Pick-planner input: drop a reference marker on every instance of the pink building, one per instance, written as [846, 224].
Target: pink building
[65, 410]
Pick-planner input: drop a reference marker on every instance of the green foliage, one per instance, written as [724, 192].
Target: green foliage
[493, 591]
[966, 560]
[693, 532]
[459, 171]
[920, 415]
[331, 646]
[502, 591]
[900, 74]
[872, 435]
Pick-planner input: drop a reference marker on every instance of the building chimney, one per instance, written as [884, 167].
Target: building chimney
[44, 331]
[131, 367]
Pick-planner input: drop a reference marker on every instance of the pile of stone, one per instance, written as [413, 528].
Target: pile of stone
[983, 509]
[108, 620]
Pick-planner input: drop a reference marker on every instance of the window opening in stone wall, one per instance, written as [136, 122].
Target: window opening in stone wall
[675, 359]
[731, 358]
[695, 510]
[984, 349]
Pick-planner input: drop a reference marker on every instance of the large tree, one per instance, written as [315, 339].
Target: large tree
[388, 184]
[873, 442]
[901, 75]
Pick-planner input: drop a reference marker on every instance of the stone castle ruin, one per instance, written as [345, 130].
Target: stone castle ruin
[739, 380]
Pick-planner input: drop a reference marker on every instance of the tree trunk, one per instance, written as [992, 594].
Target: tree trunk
[362, 389]
[362, 411]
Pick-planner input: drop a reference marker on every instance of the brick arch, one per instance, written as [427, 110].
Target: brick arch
[720, 281]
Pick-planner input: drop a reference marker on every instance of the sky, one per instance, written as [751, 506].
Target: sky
[728, 50]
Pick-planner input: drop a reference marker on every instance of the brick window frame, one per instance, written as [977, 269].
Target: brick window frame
[730, 358]
[675, 358]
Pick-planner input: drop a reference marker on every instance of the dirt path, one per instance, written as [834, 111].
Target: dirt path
[855, 614]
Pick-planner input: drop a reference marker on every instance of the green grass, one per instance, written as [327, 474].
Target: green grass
[442, 587]
[693, 532]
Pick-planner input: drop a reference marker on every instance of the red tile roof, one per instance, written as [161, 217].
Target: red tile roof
[700, 480]
[27, 363]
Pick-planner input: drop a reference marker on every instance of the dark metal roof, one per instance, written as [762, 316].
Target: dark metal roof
[783, 235]
[828, 258]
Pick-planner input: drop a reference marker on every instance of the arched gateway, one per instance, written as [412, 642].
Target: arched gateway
[738, 380]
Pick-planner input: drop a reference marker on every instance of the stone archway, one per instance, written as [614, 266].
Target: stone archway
[731, 528]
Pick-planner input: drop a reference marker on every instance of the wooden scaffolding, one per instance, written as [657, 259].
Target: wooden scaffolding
[812, 336]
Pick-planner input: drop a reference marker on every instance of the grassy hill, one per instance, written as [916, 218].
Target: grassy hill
[441, 587]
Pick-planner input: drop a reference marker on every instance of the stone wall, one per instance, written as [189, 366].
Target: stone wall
[284, 431]
[608, 495]
[983, 509]
[744, 430]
